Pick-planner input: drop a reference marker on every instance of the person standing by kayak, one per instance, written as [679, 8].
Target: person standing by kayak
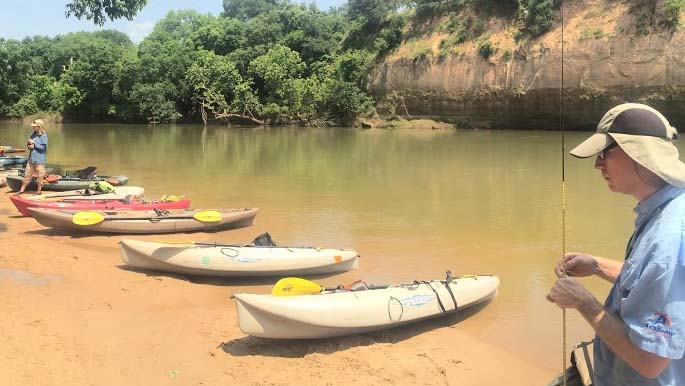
[640, 329]
[38, 148]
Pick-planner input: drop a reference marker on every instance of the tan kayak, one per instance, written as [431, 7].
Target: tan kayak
[144, 221]
[211, 259]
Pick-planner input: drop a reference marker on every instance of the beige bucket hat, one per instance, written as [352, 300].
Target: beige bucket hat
[644, 134]
[37, 122]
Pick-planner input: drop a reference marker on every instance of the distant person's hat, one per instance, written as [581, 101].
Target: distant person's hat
[644, 134]
[37, 122]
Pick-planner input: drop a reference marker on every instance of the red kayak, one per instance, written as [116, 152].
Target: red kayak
[23, 204]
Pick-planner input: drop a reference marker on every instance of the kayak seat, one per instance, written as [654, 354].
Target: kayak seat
[86, 174]
[263, 240]
[161, 212]
[359, 285]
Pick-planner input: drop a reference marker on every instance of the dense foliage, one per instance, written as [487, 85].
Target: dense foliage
[652, 15]
[100, 10]
[267, 60]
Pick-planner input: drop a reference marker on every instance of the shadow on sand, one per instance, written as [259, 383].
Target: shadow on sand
[219, 281]
[77, 234]
[61, 232]
[250, 345]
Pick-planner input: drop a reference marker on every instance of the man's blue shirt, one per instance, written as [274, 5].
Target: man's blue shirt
[38, 153]
[649, 294]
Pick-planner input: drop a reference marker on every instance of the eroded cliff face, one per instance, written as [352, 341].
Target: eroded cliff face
[522, 88]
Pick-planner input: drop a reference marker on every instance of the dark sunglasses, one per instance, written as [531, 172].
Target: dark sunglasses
[603, 153]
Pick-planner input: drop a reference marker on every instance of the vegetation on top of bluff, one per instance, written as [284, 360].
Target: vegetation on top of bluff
[411, 24]
[262, 61]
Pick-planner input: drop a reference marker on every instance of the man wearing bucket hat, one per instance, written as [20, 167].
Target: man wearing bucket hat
[640, 329]
[38, 148]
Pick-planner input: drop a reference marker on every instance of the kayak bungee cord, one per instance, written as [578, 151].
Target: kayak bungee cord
[563, 189]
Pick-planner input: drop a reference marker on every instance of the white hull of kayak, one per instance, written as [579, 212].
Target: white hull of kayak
[236, 260]
[333, 313]
[120, 192]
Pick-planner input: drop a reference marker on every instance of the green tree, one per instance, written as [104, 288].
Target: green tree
[371, 12]
[168, 52]
[247, 9]
[213, 78]
[65, 97]
[536, 16]
[671, 10]
[179, 25]
[41, 90]
[26, 105]
[352, 66]
[100, 10]
[345, 101]
[429, 8]
[91, 69]
[376, 24]
[310, 32]
[221, 35]
[269, 59]
[13, 69]
[499, 7]
[128, 74]
[246, 101]
[274, 73]
[153, 103]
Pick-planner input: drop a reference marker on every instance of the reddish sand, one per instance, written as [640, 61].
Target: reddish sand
[72, 315]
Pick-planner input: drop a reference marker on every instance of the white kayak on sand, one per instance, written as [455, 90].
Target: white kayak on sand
[120, 192]
[344, 312]
[212, 259]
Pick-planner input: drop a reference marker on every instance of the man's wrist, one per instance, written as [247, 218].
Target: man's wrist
[596, 270]
[591, 310]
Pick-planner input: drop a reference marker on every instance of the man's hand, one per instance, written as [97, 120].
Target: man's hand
[569, 293]
[576, 264]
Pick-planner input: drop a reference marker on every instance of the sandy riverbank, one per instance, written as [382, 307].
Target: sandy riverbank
[72, 315]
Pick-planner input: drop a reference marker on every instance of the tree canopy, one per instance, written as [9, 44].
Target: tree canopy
[266, 61]
[100, 10]
[245, 10]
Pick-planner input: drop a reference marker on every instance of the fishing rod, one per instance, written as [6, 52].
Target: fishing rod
[563, 188]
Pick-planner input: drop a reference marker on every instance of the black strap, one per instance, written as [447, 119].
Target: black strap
[588, 362]
[161, 212]
[442, 308]
[641, 228]
[454, 300]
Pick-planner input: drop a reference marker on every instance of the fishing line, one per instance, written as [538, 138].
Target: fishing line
[563, 188]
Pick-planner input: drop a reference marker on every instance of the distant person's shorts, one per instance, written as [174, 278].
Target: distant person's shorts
[34, 170]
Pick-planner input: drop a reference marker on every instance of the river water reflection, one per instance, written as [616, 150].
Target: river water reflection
[413, 203]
